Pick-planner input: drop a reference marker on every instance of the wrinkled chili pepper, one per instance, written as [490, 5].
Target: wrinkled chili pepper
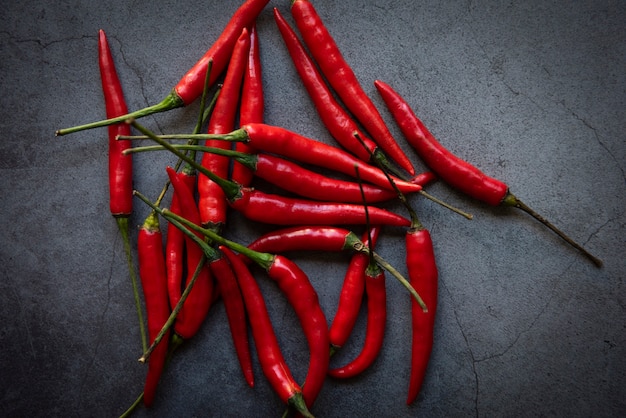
[351, 295]
[252, 105]
[154, 284]
[190, 86]
[212, 201]
[453, 170]
[120, 165]
[341, 77]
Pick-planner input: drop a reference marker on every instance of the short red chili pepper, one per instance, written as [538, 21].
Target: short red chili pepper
[191, 85]
[212, 202]
[252, 105]
[120, 165]
[341, 77]
[154, 284]
[351, 295]
[197, 304]
[338, 122]
[453, 170]
[270, 356]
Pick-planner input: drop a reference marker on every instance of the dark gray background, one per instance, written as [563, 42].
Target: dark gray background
[531, 92]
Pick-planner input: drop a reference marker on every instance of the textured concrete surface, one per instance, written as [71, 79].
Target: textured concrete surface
[532, 92]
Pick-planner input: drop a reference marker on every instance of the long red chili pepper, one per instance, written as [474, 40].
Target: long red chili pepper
[351, 295]
[453, 170]
[196, 307]
[376, 322]
[120, 165]
[338, 122]
[154, 284]
[309, 238]
[212, 201]
[252, 105]
[270, 356]
[286, 143]
[341, 77]
[190, 86]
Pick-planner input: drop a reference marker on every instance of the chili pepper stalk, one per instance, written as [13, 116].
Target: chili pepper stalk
[189, 87]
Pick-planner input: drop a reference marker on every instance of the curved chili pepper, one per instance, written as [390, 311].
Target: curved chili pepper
[351, 295]
[340, 125]
[190, 86]
[196, 307]
[212, 202]
[252, 104]
[460, 174]
[120, 165]
[236, 313]
[154, 284]
[423, 275]
[175, 245]
[310, 238]
[341, 77]
[270, 356]
[376, 321]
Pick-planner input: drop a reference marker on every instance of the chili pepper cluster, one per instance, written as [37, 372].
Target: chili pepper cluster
[197, 266]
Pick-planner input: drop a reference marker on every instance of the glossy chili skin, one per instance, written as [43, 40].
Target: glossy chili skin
[190, 86]
[423, 276]
[280, 141]
[375, 331]
[309, 238]
[252, 105]
[120, 165]
[154, 284]
[310, 184]
[270, 356]
[458, 173]
[279, 210]
[212, 203]
[341, 77]
[351, 294]
[338, 122]
[198, 302]
[236, 313]
[301, 294]
[175, 246]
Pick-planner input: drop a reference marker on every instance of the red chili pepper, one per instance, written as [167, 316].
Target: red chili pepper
[351, 295]
[376, 321]
[453, 170]
[120, 165]
[309, 238]
[340, 125]
[341, 77]
[212, 202]
[422, 269]
[175, 245]
[252, 104]
[279, 210]
[197, 304]
[154, 283]
[270, 356]
[190, 86]
[280, 141]
[236, 313]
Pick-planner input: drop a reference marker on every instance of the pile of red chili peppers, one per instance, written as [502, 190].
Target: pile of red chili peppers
[193, 266]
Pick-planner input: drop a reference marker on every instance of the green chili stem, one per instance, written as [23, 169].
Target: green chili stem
[172, 101]
[123, 225]
[238, 135]
[131, 408]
